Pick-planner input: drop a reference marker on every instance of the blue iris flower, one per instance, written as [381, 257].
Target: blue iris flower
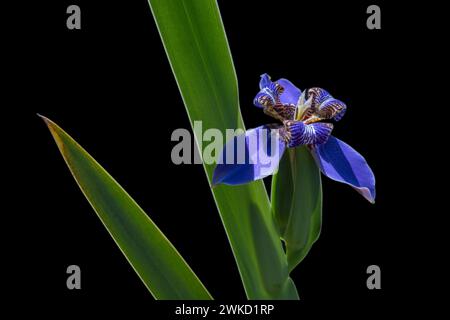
[301, 115]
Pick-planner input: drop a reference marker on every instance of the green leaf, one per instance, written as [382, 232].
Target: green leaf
[152, 256]
[297, 203]
[196, 45]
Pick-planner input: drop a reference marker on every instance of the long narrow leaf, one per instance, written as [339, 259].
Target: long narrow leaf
[153, 257]
[195, 42]
[297, 203]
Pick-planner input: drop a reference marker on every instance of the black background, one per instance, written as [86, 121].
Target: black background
[110, 86]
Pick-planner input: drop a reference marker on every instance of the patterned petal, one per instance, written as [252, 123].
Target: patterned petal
[332, 109]
[306, 134]
[325, 105]
[269, 92]
[250, 156]
[318, 96]
[263, 100]
[342, 163]
[285, 111]
[280, 111]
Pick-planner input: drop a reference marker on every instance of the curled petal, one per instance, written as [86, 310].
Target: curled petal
[340, 162]
[264, 100]
[265, 81]
[281, 92]
[269, 92]
[250, 156]
[318, 96]
[307, 134]
[332, 109]
[325, 105]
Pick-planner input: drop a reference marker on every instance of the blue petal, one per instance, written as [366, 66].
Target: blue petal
[342, 163]
[325, 105]
[268, 94]
[319, 96]
[307, 134]
[263, 99]
[290, 94]
[265, 81]
[260, 154]
[332, 109]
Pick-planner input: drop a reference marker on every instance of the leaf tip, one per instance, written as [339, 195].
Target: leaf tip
[53, 127]
[50, 124]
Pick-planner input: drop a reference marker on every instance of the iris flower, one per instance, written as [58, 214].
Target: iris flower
[304, 120]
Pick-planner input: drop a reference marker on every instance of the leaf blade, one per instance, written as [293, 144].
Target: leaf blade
[195, 42]
[160, 267]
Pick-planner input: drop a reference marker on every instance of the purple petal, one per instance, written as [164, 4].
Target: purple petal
[249, 157]
[327, 107]
[265, 81]
[263, 98]
[332, 109]
[308, 134]
[319, 96]
[268, 93]
[290, 94]
[342, 163]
